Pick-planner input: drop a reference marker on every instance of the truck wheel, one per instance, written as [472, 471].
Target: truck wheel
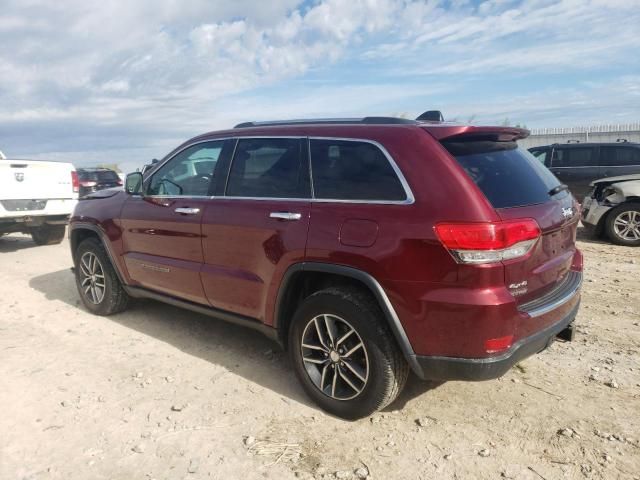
[47, 234]
[344, 354]
[98, 284]
[623, 225]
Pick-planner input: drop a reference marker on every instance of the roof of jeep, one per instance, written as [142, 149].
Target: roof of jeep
[355, 126]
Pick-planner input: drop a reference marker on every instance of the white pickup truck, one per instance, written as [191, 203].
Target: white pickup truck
[37, 197]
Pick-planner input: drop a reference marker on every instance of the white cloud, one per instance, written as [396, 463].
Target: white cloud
[86, 74]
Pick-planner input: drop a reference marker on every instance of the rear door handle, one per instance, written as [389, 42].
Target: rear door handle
[187, 210]
[285, 215]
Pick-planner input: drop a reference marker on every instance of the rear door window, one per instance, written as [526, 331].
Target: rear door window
[619, 156]
[573, 157]
[508, 176]
[269, 168]
[353, 170]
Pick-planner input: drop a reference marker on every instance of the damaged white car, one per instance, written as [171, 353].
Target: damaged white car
[612, 208]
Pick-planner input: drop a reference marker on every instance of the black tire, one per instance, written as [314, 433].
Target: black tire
[625, 210]
[47, 234]
[114, 299]
[387, 368]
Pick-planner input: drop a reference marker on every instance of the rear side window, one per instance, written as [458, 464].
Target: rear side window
[573, 157]
[353, 170]
[619, 156]
[269, 168]
[508, 176]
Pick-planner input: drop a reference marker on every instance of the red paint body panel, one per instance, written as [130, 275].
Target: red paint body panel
[246, 253]
[233, 256]
[162, 249]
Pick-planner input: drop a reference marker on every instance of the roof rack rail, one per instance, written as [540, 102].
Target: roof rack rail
[331, 121]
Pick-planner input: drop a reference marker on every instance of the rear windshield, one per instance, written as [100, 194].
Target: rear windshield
[508, 176]
[102, 176]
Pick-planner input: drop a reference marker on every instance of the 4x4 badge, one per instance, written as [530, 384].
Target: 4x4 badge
[567, 212]
[19, 176]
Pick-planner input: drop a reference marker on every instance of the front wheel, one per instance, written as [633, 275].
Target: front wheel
[344, 354]
[623, 225]
[47, 234]
[97, 281]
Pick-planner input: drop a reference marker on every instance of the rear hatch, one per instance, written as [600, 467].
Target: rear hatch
[520, 187]
[100, 179]
[32, 179]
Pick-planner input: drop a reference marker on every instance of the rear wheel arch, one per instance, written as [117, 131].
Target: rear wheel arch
[303, 279]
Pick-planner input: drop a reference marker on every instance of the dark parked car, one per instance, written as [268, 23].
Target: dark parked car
[94, 179]
[578, 164]
[365, 247]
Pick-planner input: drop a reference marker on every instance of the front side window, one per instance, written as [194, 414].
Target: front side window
[619, 156]
[269, 168]
[573, 157]
[353, 170]
[190, 173]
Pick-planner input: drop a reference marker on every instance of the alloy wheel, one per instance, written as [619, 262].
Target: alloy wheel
[92, 278]
[335, 357]
[627, 225]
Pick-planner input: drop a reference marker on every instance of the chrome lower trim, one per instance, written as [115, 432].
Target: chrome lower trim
[561, 294]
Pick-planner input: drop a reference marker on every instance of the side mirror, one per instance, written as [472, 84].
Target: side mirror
[133, 183]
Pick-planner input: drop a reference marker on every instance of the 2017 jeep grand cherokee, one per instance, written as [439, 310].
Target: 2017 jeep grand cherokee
[365, 247]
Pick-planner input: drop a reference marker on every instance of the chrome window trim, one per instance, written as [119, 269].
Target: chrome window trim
[410, 199]
[597, 166]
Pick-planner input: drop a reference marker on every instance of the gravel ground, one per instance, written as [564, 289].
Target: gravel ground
[160, 393]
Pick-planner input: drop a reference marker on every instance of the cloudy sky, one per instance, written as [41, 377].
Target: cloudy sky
[123, 81]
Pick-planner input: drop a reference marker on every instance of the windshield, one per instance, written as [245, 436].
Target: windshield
[508, 176]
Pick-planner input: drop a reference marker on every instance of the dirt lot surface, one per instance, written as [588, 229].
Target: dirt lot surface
[157, 392]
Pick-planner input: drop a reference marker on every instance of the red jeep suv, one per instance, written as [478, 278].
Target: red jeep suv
[367, 248]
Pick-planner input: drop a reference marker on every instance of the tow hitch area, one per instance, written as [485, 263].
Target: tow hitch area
[568, 333]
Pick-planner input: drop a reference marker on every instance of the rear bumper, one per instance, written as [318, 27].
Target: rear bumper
[562, 304]
[475, 369]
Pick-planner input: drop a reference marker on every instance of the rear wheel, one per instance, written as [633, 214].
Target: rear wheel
[47, 234]
[344, 354]
[97, 281]
[623, 225]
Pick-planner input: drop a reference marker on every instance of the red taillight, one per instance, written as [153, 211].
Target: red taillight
[490, 241]
[119, 182]
[74, 181]
[88, 184]
[494, 345]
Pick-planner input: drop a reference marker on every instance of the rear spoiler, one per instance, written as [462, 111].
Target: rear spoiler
[468, 132]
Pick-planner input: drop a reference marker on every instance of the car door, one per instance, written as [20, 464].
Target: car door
[257, 226]
[161, 229]
[575, 166]
[619, 160]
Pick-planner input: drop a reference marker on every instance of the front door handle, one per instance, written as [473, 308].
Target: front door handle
[187, 210]
[285, 215]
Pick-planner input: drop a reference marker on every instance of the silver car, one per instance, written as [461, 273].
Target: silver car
[612, 207]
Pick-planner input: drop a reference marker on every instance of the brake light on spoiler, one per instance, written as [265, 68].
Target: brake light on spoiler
[488, 242]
